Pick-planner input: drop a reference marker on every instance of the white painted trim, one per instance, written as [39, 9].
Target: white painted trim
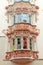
[15, 43]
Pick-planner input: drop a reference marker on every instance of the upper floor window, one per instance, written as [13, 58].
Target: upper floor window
[22, 18]
[22, 0]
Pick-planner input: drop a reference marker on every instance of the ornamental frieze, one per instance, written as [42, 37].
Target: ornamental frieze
[22, 7]
[21, 54]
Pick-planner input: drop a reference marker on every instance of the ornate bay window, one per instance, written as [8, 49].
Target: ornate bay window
[23, 45]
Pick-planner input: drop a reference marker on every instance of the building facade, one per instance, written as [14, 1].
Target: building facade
[22, 31]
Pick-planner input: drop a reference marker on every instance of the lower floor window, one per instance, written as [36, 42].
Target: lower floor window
[18, 43]
[24, 43]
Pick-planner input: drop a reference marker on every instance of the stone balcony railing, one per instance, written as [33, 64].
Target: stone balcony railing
[21, 54]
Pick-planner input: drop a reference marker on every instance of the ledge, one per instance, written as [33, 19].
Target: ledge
[21, 55]
[21, 60]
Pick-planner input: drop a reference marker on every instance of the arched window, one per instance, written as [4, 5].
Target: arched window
[17, 0]
[17, 18]
[14, 19]
[27, 0]
[24, 17]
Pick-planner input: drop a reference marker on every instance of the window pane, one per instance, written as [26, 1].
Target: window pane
[18, 43]
[29, 19]
[28, 0]
[24, 42]
[19, 18]
[23, 17]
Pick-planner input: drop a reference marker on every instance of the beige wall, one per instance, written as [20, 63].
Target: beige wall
[32, 63]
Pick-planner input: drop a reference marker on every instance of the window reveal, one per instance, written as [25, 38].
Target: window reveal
[23, 18]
